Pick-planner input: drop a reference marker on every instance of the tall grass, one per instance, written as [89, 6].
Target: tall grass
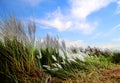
[25, 60]
[17, 60]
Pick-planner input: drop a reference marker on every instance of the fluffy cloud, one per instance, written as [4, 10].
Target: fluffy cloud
[56, 20]
[75, 17]
[83, 8]
[57, 23]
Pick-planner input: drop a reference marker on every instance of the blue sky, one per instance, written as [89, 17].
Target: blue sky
[82, 22]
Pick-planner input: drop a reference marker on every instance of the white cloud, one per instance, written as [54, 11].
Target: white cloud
[84, 27]
[110, 46]
[58, 23]
[55, 20]
[82, 43]
[32, 2]
[83, 8]
[118, 8]
[75, 17]
[77, 43]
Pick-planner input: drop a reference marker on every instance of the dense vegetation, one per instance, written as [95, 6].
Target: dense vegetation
[25, 59]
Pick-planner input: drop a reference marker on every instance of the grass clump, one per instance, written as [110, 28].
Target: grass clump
[100, 62]
[17, 62]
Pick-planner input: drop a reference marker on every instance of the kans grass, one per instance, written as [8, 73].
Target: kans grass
[25, 59]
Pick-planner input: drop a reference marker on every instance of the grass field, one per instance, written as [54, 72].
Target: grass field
[23, 59]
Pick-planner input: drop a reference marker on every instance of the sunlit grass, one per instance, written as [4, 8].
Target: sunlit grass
[25, 60]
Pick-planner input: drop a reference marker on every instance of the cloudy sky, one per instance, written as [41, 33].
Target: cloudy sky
[83, 22]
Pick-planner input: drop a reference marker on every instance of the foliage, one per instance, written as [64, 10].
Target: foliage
[116, 57]
[50, 56]
[99, 62]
